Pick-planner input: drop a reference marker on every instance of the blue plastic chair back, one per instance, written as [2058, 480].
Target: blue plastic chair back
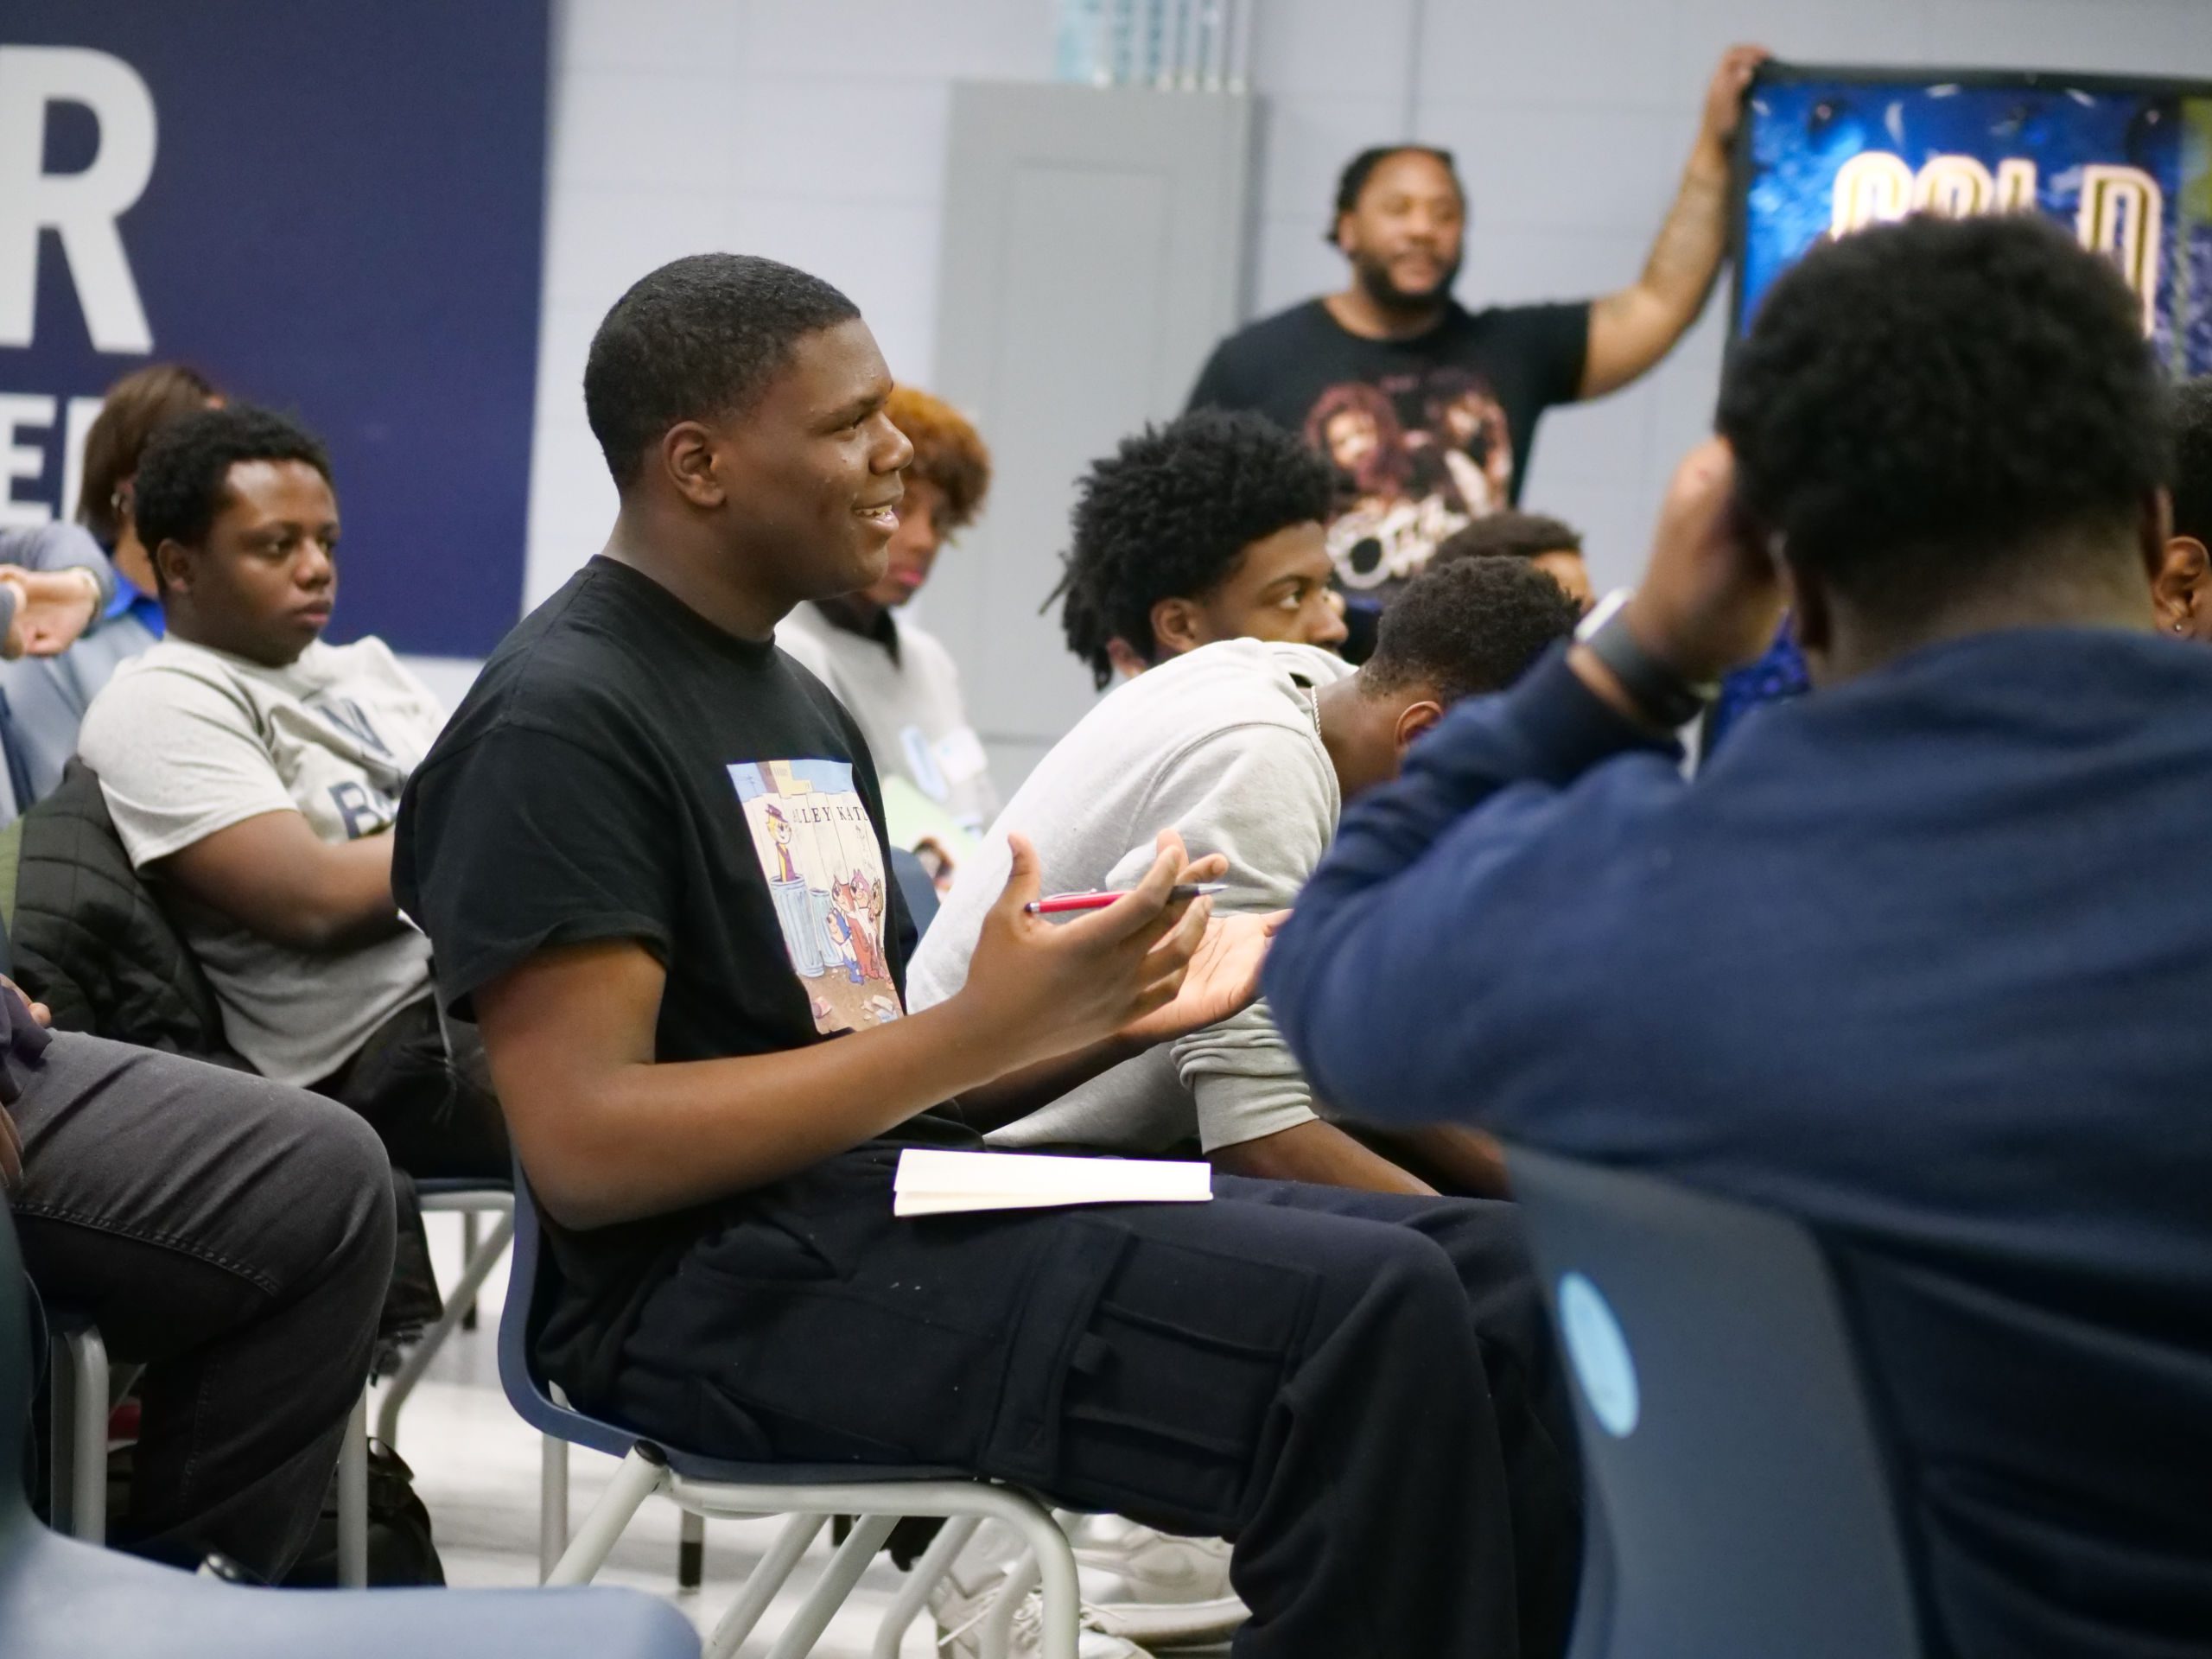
[1726, 1439]
[536, 1406]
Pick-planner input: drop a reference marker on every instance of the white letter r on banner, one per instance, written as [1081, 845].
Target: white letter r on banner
[82, 208]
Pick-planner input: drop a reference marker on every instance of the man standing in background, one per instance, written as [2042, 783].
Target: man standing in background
[1428, 410]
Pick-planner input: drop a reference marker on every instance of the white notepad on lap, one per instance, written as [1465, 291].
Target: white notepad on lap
[934, 1183]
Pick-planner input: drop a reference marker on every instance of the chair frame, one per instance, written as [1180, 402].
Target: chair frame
[470, 1200]
[808, 1496]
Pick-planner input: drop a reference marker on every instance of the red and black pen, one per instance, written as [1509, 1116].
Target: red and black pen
[1062, 904]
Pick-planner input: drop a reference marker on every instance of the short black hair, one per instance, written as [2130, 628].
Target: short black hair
[1169, 513]
[700, 339]
[2192, 428]
[1921, 405]
[1358, 170]
[1511, 535]
[1468, 627]
[185, 470]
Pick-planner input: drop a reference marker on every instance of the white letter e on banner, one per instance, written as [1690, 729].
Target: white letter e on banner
[81, 208]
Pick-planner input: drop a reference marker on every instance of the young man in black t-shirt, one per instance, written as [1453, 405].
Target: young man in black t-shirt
[1428, 410]
[640, 847]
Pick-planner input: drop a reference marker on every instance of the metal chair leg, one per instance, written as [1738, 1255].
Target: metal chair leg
[552, 1504]
[775, 1568]
[473, 1273]
[638, 1479]
[468, 1230]
[1052, 1559]
[353, 1499]
[1022, 1577]
[830, 1590]
[88, 1430]
[690, 1551]
[928, 1572]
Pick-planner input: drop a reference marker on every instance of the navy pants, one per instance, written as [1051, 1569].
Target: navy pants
[1357, 1389]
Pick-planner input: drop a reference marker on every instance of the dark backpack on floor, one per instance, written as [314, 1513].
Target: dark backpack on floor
[400, 1548]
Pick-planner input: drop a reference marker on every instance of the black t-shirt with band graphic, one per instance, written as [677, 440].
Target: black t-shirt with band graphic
[1426, 434]
[622, 769]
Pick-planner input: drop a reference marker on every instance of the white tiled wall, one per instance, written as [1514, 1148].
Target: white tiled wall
[813, 130]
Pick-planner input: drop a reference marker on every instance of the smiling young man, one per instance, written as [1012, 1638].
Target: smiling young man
[252, 771]
[710, 1111]
[1206, 528]
[1428, 410]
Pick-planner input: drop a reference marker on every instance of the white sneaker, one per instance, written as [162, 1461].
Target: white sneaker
[1121, 1561]
[960, 1621]
[962, 1602]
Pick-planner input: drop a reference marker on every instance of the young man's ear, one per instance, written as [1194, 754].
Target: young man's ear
[2182, 588]
[1176, 627]
[173, 566]
[687, 455]
[1415, 719]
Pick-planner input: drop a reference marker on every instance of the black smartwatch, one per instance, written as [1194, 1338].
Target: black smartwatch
[1662, 693]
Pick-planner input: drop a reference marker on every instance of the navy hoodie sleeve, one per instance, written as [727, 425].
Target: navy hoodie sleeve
[1404, 972]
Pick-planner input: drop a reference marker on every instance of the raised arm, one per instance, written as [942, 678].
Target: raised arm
[1632, 329]
[608, 1134]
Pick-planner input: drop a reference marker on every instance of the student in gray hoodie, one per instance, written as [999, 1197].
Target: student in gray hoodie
[1249, 748]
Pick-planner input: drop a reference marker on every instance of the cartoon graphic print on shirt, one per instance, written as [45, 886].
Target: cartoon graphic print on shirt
[1418, 456]
[818, 849]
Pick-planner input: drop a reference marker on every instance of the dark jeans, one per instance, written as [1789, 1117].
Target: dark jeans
[1357, 1389]
[234, 1236]
[426, 1089]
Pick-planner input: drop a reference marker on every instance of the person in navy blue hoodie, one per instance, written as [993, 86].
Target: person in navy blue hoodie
[1923, 959]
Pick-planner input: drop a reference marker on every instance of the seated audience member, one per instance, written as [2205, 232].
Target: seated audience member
[53, 585]
[2186, 584]
[1248, 749]
[897, 681]
[252, 771]
[136, 407]
[1553, 546]
[1205, 529]
[627, 846]
[1900, 962]
[48, 694]
[232, 1236]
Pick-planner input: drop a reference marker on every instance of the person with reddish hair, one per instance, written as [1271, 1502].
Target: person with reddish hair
[895, 679]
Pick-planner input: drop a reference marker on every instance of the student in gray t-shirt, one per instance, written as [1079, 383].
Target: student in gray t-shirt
[253, 772]
[1249, 748]
[895, 680]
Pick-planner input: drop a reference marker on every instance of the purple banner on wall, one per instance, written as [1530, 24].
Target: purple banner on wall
[335, 210]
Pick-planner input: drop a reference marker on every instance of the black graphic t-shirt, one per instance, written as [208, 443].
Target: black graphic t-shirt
[1426, 434]
[623, 769]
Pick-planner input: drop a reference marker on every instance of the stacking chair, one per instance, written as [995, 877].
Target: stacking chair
[1730, 1453]
[60, 1598]
[809, 1494]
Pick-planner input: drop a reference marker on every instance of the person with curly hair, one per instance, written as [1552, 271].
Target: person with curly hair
[1921, 959]
[895, 677]
[1250, 748]
[1208, 528]
[1553, 546]
[1463, 390]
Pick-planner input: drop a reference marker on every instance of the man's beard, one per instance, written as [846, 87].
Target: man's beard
[1373, 276]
